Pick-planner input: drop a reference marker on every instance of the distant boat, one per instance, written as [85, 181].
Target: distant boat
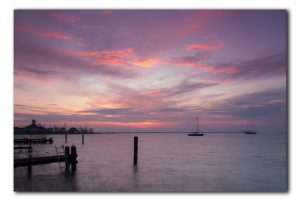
[196, 133]
[250, 130]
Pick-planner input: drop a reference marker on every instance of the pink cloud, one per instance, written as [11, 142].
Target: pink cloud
[225, 81]
[228, 122]
[195, 63]
[42, 33]
[53, 34]
[220, 69]
[69, 19]
[143, 124]
[196, 22]
[115, 57]
[120, 124]
[128, 57]
[65, 17]
[189, 26]
[146, 63]
[107, 12]
[204, 46]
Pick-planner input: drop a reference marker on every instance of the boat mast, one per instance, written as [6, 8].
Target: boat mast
[197, 123]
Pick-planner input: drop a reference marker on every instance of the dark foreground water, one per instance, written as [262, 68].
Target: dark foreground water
[167, 163]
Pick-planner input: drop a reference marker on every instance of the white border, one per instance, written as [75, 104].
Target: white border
[6, 87]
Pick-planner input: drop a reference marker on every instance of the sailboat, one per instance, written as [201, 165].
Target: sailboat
[250, 130]
[196, 133]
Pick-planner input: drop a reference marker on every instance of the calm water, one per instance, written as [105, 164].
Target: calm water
[167, 162]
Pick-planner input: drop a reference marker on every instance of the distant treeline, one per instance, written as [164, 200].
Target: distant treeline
[40, 129]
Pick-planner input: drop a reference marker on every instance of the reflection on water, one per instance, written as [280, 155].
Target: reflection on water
[166, 162]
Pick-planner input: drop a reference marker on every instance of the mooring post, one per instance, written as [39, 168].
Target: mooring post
[50, 140]
[135, 151]
[29, 167]
[73, 158]
[67, 155]
[82, 139]
[66, 138]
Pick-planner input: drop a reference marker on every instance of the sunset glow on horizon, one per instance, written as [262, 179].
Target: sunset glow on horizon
[151, 69]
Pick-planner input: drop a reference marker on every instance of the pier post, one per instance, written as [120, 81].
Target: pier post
[73, 157]
[29, 167]
[67, 155]
[82, 139]
[50, 140]
[135, 151]
[66, 138]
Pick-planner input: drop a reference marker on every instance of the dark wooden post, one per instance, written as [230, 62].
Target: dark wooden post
[73, 157]
[67, 155]
[29, 167]
[135, 151]
[30, 148]
[50, 140]
[66, 138]
[82, 139]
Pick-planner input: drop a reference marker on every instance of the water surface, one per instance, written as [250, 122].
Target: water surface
[166, 163]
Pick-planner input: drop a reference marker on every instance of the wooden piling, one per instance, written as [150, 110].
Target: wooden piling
[29, 167]
[50, 140]
[67, 155]
[82, 139]
[135, 151]
[66, 138]
[73, 158]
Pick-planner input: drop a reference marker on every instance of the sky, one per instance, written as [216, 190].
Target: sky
[152, 70]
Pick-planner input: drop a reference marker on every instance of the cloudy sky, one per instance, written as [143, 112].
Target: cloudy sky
[151, 70]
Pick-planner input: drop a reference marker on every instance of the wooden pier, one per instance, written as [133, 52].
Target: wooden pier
[67, 158]
[23, 162]
[29, 148]
[33, 141]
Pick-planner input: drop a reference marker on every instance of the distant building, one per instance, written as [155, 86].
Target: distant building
[73, 130]
[50, 130]
[17, 130]
[33, 128]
